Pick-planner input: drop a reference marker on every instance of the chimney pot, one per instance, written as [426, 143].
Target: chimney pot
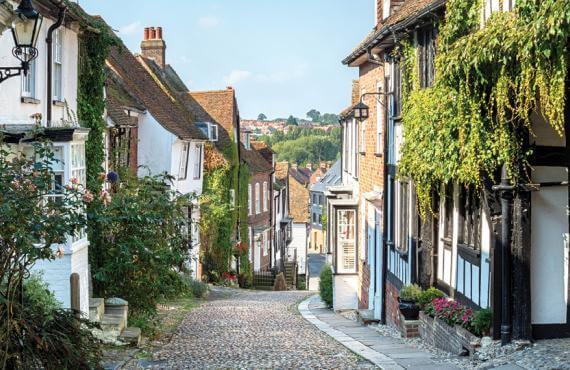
[159, 33]
[153, 33]
[146, 33]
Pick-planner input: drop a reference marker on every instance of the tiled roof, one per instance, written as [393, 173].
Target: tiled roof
[332, 178]
[264, 150]
[410, 9]
[117, 113]
[255, 161]
[298, 199]
[281, 170]
[140, 81]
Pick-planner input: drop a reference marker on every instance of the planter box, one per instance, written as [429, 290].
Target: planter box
[454, 339]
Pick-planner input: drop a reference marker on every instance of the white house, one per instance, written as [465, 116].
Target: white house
[167, 139]
[24, 105]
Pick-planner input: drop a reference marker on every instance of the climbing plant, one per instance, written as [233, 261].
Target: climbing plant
[488, 82]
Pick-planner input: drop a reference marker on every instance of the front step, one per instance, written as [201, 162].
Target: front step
[366, 317]
[131, 336]
[96, 309]
[113, 324]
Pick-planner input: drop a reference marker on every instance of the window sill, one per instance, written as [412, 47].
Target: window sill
[379, 154]
[58, 103]
[28, 100]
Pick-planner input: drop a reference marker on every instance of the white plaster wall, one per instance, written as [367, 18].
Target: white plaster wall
[56, 274]
[155, 147]
[190, 185]
[299, 243]
[549, 252]
[344, 292]
[13, 110]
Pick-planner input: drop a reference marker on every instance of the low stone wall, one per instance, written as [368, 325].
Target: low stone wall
[454, 339]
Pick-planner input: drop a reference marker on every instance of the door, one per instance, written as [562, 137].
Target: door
[549, 247]
[257, 260]
[379, 266]
[371, 237]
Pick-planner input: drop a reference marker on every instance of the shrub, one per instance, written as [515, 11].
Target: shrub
[481, 322]
[37, 291]
[326, 285]
[410, 292]
[199, 289]
[427, 296]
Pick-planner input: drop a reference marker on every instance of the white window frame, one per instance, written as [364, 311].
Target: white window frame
[79, 172]
[58, 65]
[250, 199]
[265, 197]
[213, 132]
[29, 82]
[346, 264]
[491, 6]
[257, 199]
[198, 153]
[379, 124]
[184, 155]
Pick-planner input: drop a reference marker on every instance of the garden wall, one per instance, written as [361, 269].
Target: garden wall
[454, 339]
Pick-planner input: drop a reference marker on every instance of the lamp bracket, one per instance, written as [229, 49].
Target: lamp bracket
[8, 72]
[25, 55]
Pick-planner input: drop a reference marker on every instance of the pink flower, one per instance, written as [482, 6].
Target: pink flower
[88, 196]
[74, 180]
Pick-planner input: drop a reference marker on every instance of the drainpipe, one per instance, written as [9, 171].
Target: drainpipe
[506, 191]
[49, 41]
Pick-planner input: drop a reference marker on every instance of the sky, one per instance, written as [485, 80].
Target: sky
[282, 56]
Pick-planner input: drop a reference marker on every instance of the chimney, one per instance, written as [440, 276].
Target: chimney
[153, 46]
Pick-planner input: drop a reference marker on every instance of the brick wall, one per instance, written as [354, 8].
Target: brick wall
[363, 299]
[263, 219]
[392, 306]
[451, 339]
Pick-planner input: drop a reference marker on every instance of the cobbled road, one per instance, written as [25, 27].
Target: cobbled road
[240, 329]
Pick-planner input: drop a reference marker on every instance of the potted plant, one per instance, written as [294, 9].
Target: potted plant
[408, 298]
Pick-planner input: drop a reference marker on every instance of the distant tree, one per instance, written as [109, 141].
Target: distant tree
[292, 121]
[261, 117]
[314, 115]
[330, 119]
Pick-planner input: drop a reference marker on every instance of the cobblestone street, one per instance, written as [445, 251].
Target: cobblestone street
[247, 329]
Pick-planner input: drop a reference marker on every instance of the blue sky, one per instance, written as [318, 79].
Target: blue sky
[282, 56]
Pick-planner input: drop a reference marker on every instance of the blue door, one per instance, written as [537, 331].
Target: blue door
[379, 283]
[371, 237]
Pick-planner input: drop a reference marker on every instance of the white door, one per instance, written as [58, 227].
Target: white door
[257, 260]
[549, 247]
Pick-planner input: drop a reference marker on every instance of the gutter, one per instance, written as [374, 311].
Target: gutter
[385, 31]
[49, 41]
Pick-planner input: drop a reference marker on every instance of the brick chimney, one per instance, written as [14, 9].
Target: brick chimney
[153, 46]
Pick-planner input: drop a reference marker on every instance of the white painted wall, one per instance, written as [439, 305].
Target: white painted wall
[190, 185]
[155, 147]
[13, 110]
[299, 243]
[345, 295]
[549, 249]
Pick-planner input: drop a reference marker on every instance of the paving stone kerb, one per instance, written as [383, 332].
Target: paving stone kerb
[384, 352]
[253, 330]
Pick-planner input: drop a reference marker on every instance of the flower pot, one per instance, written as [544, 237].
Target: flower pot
[409, 309]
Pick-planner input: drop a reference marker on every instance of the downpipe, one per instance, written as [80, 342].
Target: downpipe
[49, 41]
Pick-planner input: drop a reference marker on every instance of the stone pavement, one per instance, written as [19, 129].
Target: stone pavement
[386, 352]
[241, 329]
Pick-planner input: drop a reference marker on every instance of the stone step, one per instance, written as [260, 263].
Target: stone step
[131, 336]
[113, 323]
[366, 317]
[96, 309]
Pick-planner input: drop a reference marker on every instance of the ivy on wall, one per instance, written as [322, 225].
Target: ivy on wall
[488, 81]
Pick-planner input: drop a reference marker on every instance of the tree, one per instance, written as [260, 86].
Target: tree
[292, 121]
[261, 117]
[314, 115]
[330, 118]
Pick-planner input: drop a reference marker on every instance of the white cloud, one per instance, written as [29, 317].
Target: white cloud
[209, 22]
[131, 29]
[236, 76]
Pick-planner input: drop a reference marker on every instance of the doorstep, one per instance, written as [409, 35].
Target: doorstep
[384, 352]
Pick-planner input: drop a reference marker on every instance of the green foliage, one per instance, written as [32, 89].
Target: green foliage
[302, 145]
[330, 119]
[427, 296]
[292, 121]
[314, 115]
[410, 292]
[143, 247]
[199, 289]
[482, 322]
[488, 82]
[326, 285]
[37, 291]
[261, 117]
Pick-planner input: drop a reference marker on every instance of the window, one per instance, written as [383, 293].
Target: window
[247, 140]
[79, 172]
[379, 122]
[426, 56]
[314, 218]
[58, 168]
[402, 216]
[209, 129]
[469, 217]
[396, 89]
[257, 199]
[58, 65]
[183, 169]
[386, 9]
[265, 197]
[29, 82]
[198, 149]
[266, 243]
[492, 6]
[346, 245]
[249, 197]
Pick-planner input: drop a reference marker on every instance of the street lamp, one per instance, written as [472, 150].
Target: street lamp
[361, 111]
[25, 31]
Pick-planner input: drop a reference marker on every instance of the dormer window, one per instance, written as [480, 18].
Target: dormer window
[386, 9]
[247, 140]
[209, 129]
